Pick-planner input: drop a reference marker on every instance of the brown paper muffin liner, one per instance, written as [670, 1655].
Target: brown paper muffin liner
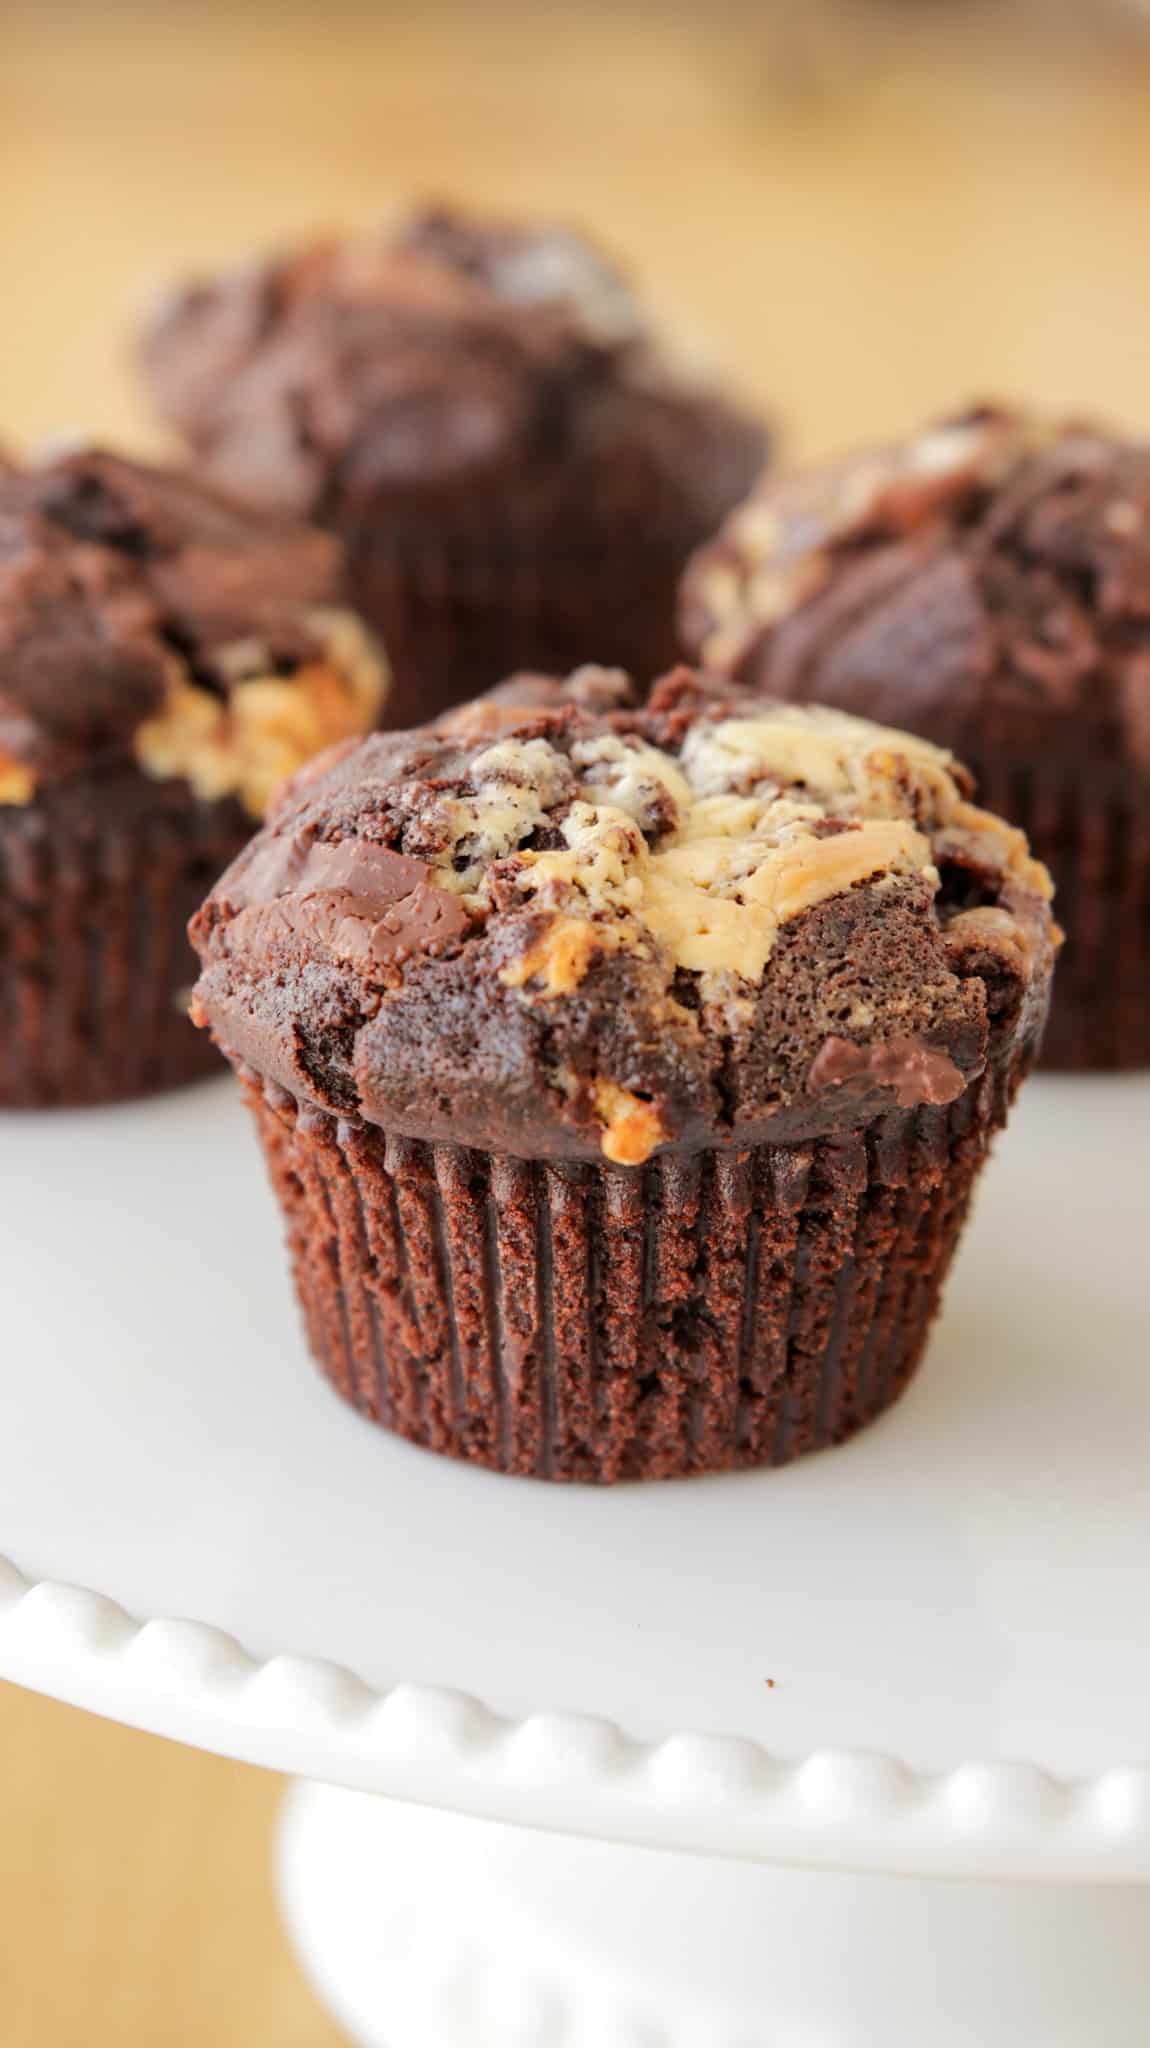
[498, 584]
[591, 1322]
[1091, 826]
[97, 883]
[458, 614]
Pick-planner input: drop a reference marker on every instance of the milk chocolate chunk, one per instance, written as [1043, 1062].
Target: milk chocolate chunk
[915, 1073]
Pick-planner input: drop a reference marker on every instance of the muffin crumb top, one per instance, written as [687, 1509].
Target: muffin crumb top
[442, 352]
[706, 849]
[630, 923]
[146, 620]
[993, 570]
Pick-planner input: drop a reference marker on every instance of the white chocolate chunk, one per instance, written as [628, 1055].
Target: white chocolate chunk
[268, 726]
[735, 842]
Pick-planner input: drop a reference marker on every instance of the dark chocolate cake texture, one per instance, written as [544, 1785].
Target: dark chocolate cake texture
[624, 1074]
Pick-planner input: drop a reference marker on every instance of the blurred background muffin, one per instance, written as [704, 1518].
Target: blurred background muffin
[985, 583]
[165, 660]
[480, 409]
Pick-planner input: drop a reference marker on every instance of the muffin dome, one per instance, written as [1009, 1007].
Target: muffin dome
[578, 929]
[446, 348]
[166, 659]
[986, 584]
[147, 621]
[996, 567]
[482, 411]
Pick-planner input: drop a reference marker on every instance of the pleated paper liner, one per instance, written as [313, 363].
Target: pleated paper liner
[97, 883]
[463, 596]
[710, 1310]
[1090, 823]
[456, 619]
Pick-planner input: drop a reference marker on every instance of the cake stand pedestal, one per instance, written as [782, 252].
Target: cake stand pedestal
[857, 1753]
[424, 1930]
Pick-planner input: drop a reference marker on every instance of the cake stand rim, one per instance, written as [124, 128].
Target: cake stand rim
[576, 1774]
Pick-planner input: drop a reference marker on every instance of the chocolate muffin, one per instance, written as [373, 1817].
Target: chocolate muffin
[516, 466]
[987, 585]
[165, 660]
[624, 1074]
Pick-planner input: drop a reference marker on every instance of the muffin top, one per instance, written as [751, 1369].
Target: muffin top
[986, 583]
[556, 925]
[146, 620]
[445, 352]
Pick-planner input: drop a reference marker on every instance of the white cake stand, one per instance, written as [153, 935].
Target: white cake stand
[734, 1723]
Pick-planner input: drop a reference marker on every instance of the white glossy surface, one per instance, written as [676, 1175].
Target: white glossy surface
[966, 1581]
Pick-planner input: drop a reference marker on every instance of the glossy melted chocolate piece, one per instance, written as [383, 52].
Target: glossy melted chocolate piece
[913, 1071]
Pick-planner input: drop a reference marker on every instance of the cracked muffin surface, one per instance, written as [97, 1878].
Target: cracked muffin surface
[146, 621]
[516, 458]
[557, 925]
[985, 583]
[995, 565]
[167, 658]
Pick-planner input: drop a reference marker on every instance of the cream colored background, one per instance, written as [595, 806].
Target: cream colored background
[862, 228]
